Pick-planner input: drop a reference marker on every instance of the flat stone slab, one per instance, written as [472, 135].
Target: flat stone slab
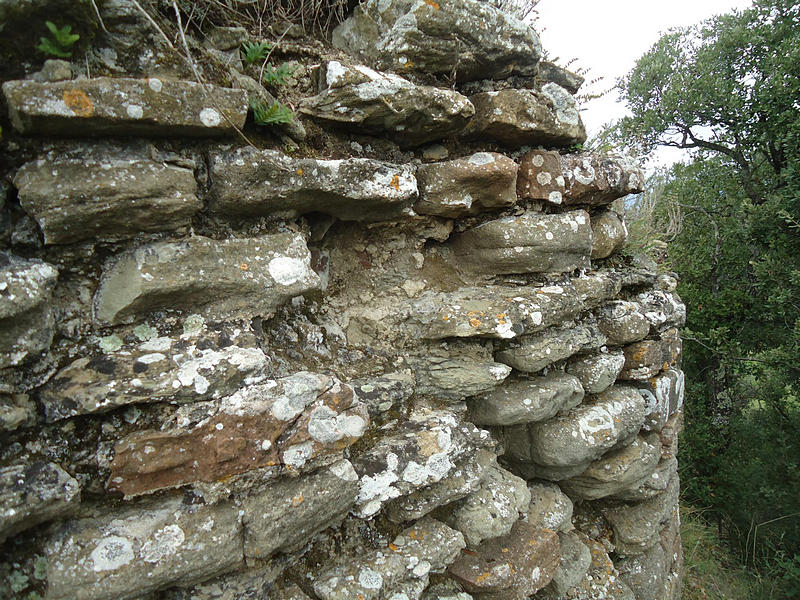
[597, 372]
[232, 278]
[34, 493]
[528, 243]
[456, 378]
[540, 177]
[466, 39]
[109, 199]
[467, 186]
[285, 422]
[371, 102]
[137, 550]
[526, 400]
[532, 353]
[120, 106]
[598, 179]
[516, 118]
[250, 182]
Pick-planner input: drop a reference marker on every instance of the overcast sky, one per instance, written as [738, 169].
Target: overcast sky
[607, 36]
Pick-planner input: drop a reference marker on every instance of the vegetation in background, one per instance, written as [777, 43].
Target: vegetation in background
[61, 43]
[274, 114]
[255, 52]
[728, 90]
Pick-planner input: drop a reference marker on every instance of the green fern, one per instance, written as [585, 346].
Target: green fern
[255, 52]
[277, 114]
[62, 42]
[277, 76]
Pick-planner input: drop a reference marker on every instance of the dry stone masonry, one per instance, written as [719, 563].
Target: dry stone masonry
[395, 351]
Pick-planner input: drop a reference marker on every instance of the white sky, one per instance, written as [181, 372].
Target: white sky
[607, 36]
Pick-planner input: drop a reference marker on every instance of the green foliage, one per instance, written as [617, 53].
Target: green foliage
[253, 52]
[277, 76]
[62, 42]
[276, 114]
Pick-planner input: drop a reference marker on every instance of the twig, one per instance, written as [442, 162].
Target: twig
[271, 50]
[99, 18]
[153, 23]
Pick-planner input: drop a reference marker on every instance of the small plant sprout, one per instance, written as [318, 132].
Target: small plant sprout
[254, 52]
[277, 76]
[61, 43]
[277, 114]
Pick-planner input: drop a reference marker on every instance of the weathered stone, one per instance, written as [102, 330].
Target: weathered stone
[467, 40]
[202, 364]
[511, 567]
[56, 70]
[609, 234]
[533, 353]
[26, 316]
[526, 400]
[622, 322]
[426, 451]
[583, 434]
[286, 422]
[664, 394]
[467, 186]
[464, 479]
[381, 394]
[652, 485]
[457, 378]
[646, 574]
[662, 309]
[250, 182]
[35, 493]
[226, 38]
[575, 562]
[670, 434]
[597, 372]
[552, 73]
[616, 471]
[106, 199]
[119, 106]
[377, 103]
[16, 411]
[492, 509]
[515, 118]
[445, 591]
[232, 278]
[530, 470]
[550, 507]
[138, 550]
[598, 179]
[529, 243]
[644, 360]
[253, 584]
[540, 177]
[287, 514]
[426, 547]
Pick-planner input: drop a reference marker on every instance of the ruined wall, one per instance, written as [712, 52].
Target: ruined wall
[393, 349]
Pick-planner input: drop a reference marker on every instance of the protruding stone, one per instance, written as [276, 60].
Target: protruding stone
[287, 514]
[119, 106]
[138, 550]
[646, 574]
[597, 372]
[457, 378]
[250, 182]
[226, 38]
[540, 177]
[609, 234]
[35, 493]
[381, 394]
[597, 179]
[106, 199]
[532, 353]
[662, 309]
[550, 507]
[652, 485]
[232, 278]
[622, 322]
[529, 243]
[492, 509]
[467, 186]
[552, 73]
[511, 567]
[286, 422]
[526, 400]
[644, 360]
[16, 411]
[575, 562]
[467, 40]
[665, 397]
[515, 118]
[371, 102]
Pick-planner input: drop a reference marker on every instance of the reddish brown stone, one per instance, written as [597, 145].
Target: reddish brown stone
[645, 359]
[540, 177]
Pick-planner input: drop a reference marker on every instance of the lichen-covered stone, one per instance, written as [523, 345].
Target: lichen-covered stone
[26, 316]
[285, 515]
[137, 550]
[609, 234]
[598, 179]
[232, 278]
[250, 182]
[528, 243]
[120, 106]
[532, 353]
[467, 186]
[526, 400]
[622, 322]
[662, 309]
[552, 73]
[550, 507]
[207, 363]
[511, 567]
[384, 393]
[575, 562]
[457, 378]
[106, 199]
[652, 485]
[368, 101]
[34, 493]
[467, 39]
[645, 359]
[492, 509]
[515, 118]
[646, 574]
[16, 411]
[665, 397]
[286, 422]
[598, 371]
[540, 177]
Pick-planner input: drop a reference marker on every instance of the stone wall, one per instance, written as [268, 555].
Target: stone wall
[391, 350]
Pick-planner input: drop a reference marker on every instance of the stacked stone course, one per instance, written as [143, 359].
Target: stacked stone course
[231, 373]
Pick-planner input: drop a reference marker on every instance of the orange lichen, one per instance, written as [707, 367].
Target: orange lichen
[393, 547]
[78, 102]
[446, 318]
[244, 267]
[432, 4]
[475, 323]
[298, 500]
[395, 182]
[483, 577]
[299, 171]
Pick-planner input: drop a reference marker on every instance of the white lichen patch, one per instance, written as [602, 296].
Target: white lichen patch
[210, 117]
[164, 543]
[111, 553]
[480, 159]
[288, 271]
